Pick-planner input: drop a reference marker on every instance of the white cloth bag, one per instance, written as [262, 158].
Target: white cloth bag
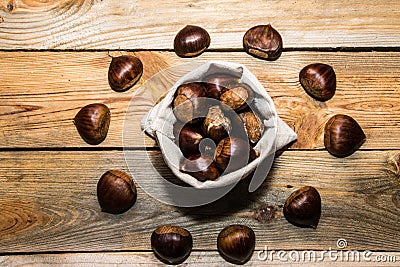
[159, 122]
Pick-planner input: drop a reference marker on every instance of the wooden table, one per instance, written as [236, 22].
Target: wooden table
[54, 59]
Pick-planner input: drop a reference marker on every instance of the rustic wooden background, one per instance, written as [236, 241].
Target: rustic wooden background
[54, 58]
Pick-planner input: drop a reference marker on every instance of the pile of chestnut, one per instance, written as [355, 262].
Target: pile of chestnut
[235, 243]
[216, 129]
[116, 193]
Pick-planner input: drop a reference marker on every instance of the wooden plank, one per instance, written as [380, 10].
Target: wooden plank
[48, 203]
[88, 24]
[196, 258]
[42, 91]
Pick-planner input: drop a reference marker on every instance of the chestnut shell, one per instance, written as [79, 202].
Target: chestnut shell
[252, 125]
[238, 98]
[319, 81]
[303, 207]
[263, 41]
[124, 72]
[189, 139]
[171, 244]
[116, 192]
[216, 125]
[92, 123]
[201, 166]
[219, 83]
[191, 41]
[230, 154]
[190, 102]
[343, 135]
[236, 243]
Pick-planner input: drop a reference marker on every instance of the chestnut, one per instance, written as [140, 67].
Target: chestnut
[230, 154]
[124, 72]
[318, 80]
[171, 244]
[191, 41]
[216, 125]
[252, 125]
[263, 41]
[238, 98]
[303, 207]
[116, 192]
[201, 166]
[92, 123]
[190, 102]
[189, 138]
[218, 84]
[236, 243]
[343, 135]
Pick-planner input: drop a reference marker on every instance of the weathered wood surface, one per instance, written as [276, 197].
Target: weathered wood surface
[48, 203]
[49, 215]
[42, 91]
[197, 258]
[94, 24]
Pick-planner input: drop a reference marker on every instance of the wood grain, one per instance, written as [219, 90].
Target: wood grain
[196, 258]
[54, 58]
[48, 203]
[94, 24]
[38, 105]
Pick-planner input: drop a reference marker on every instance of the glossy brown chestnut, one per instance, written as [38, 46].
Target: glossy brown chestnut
[189, 140]
[201, 166]
[190, 102]
[303, 207]
[238, 98]
[92, 123]
[252, 125]
[124, 72]
[264, 42]
[116, 192]
[318, 80]
[236, 243]
[171, 244]
[216, 125]
[218, 84]
[191, 41]
[343, 135]
[233, 153]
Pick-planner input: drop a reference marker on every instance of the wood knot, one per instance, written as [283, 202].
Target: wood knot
[396, 199]
[7, 6]
[394, 164]
[265, 213]
[10, 6]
